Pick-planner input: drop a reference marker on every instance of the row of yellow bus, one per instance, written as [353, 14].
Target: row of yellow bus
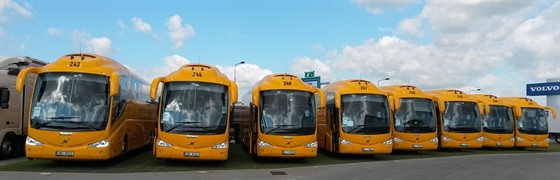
[89, 107]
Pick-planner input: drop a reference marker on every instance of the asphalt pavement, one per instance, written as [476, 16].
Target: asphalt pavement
[533, 166]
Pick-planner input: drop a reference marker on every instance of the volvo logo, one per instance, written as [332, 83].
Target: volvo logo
[192, 143]
[65, 133]
[64, 141]
[289, 142]
[367, 141]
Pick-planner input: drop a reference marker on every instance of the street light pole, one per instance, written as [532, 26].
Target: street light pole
[235, 69]
[477, 89]
[384, 79]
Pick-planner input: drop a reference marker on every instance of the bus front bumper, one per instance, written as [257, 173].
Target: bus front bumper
[365, 149]
[415, 146]
[287, 152]
[498, 144]
[182, 153]
[532, 144]
[461, 144]
[67, 153]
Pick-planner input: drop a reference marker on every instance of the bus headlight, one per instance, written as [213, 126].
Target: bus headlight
[344, 141]
[390, 141]
[435, 140]
[264, 144]
[32, 142]
[520, 139]
[480, 139]
[512, 140]
[311, 145]
[220, 146]
[546, 140]
[162, 143]
[396, 139]
[100, 144]
[446, 138]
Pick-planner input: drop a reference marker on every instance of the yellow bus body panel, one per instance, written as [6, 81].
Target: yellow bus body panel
[461, 140]
[524, 140]
[365, 144]
[498, 140]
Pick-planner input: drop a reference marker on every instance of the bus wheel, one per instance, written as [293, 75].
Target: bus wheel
[237, 136]
[7, 147]
[124, 149]
[557, 139]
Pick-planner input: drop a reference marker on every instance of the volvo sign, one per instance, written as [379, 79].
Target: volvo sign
[538, 89]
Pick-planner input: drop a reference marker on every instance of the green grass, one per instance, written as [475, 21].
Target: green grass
[143, 161]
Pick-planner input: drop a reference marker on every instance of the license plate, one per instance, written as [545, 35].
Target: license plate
[535, 145]
[286, 152]
[64, 153]
[499, 144]
[367, 149]
[464, 145]
[417, 146]
[191, 154]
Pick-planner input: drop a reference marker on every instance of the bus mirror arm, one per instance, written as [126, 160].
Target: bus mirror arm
[234, 94]
[114, 86]
[154, 87]
[551, 110]
[20, 82]
[323, 99]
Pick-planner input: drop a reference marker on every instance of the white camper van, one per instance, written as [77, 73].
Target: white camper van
[14, 107]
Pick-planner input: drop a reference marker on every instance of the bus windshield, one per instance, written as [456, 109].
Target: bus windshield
[500, 120]
[194, 108]
[461, 117]
[70, 102]
[365, 114]
[415, 115]
[287, 112]
[533, 121]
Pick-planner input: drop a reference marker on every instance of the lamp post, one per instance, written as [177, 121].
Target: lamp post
[477, 89]
[384, 79]
[235, 69]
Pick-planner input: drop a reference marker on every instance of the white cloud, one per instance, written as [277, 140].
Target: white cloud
[83, 42]
[21, 47]
[143, 27]
[9, 9]
[247, 75]
[102, 46]
[170, 64]
[177, 32]
[378, 6]
[121, 24]
[55, 32]
[305, 64]
[410, 27]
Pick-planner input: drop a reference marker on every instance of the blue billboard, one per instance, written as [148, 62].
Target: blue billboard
[539, 89]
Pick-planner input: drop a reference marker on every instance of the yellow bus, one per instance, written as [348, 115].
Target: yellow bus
[497, 122]
[282, 118]
[531, 125]
[415, 119]
[87, 107]
[358, 119]
[459, 122]
[194, 113]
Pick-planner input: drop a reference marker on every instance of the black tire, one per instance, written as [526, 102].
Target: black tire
[557, 139]
[124, 150]
[237, 136]
[7, 148]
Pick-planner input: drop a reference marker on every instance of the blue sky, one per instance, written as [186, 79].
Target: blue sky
[497, 46]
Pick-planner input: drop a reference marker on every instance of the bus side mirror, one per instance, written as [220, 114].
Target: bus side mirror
[322, 98]
[392, 103]
[441, 105]
[114, 84]
[4, 98]
[233, 93]
[516, 111]
[154, 87]
[20, 81]
[552, 111]
[256, 96]
[13, 71]
[396, 103]
[337, 100]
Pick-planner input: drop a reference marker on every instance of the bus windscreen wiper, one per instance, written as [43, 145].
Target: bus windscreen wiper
[54, 119]
[206, 129]
[278, 127]
[181, 124]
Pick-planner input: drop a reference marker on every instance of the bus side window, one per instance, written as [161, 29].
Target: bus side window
[4, 98]
[120, 99]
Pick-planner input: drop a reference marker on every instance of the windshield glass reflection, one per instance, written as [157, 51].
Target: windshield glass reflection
[194, 108]
[365, 114]
[415, 115]
[70, 102]
[461, 117]
[532, 121]
[500, 120]
[288, 112]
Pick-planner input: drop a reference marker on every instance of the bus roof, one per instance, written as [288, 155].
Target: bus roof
[86, 63]
[207, 72]
[488, 99]
[405, 91]
[353, 86]
[7, 61]
[449, 95]
[520, 102]
[277, 82]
